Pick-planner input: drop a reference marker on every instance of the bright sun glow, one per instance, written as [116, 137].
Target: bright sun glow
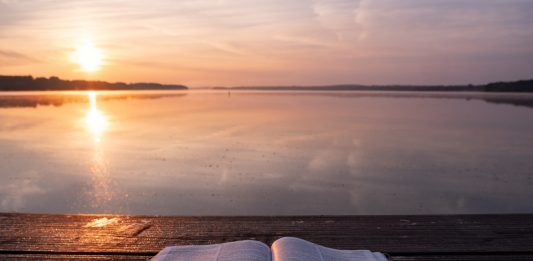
[88, 57]
[95, 119]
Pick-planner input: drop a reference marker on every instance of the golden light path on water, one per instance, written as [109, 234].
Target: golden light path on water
[96, 120]
[100, 190]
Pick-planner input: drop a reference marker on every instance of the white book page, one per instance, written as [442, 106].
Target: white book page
[295, 249]
[246, 250]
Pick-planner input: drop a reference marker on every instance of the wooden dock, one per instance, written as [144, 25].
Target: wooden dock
[103, 237]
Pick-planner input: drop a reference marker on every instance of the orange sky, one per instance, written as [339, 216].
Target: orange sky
[270, 42]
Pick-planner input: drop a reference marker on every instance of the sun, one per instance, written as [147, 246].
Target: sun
[88, 57]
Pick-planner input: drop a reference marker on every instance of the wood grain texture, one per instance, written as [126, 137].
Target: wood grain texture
[71, 257]
[464, 258]
[404, 237]
[396, 258]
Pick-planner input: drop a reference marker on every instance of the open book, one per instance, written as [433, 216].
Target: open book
[283, 249]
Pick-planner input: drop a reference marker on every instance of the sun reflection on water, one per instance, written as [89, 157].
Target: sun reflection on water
[100, 189]
[96, 120]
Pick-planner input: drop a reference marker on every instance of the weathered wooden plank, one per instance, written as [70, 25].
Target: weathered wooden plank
[71, 257]
[396, 258]
[464, 258]
[400, 235]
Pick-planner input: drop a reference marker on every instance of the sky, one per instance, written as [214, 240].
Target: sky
[269, 42]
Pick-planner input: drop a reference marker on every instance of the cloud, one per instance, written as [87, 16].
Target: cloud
[10, 58]
[15, 55]
[339, 16]
[328, 41]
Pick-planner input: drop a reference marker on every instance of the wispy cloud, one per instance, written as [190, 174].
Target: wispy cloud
[340, 17]
[15, 55]
[12, 58]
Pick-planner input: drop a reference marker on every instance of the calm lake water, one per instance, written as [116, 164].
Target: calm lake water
[266, 153]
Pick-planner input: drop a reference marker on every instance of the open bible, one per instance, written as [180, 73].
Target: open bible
[283, 249]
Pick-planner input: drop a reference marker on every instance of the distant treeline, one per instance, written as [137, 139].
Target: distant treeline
[28, 83]
[517, 86]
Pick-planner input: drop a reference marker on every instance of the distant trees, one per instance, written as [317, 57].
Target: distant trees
[518, 86]
[28, 83]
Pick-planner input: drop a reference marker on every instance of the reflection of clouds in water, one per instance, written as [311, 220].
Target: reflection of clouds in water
[376, 198]
[226, 132]
[210, 159]
[344, 171]
[339, 157]
[352, 160]
[327, 176]
[14, 195]
[336, 156]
